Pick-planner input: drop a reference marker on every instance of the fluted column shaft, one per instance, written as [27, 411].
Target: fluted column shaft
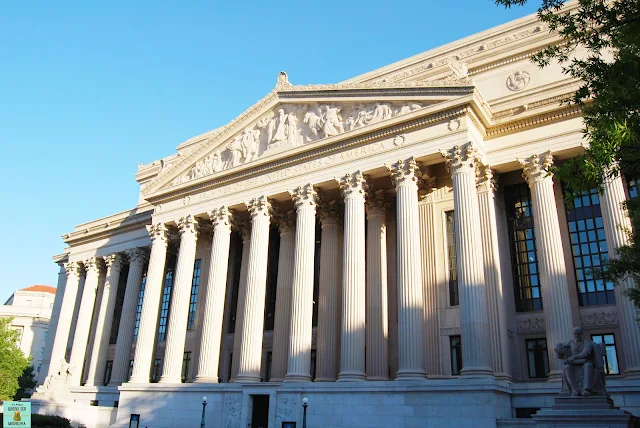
[377, 358]
[98, 360]
[300, 323]
[392, 292]
[209, 359]
[150, 305]
[59, 347]
[253, 314]
[352, 352]
[137, 259]
[283, 297]
[94, 267]
[329, 298]
[242, 297]
[616, 224]
[53, 323]
[474, 320]
[181, 294]
[410, 297]
[493, 276]
[553, 273]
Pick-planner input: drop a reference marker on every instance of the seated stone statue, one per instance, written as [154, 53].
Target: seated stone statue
[583, 372]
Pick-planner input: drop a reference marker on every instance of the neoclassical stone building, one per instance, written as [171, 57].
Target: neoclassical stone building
[390, 247]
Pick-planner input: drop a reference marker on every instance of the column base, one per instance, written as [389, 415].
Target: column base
[297, 377]
[248, 378]
[409, 374]
[170, 379]
[276, 380]
[115, 383]
[377, 378]
[138, 380]
[633, 373]
[351, 377]
[554, 376]
[325, 379]
[476, 372]
[206, 379]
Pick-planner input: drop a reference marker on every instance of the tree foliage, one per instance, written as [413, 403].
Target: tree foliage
[600, 45]
[12, 360]
[26, 381]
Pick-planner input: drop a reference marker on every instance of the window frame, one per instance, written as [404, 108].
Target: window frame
[193, 299]
[455, 351]
[540, 351]
[606, 354]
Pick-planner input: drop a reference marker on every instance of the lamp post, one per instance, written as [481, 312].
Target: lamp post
[204, 404]
[305, 404]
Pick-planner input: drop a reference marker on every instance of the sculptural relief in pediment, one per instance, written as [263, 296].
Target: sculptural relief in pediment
[292, 125]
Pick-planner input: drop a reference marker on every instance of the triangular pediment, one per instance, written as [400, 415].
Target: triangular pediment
[294, 117]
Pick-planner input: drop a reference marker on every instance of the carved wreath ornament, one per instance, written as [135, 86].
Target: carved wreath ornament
[518, 80]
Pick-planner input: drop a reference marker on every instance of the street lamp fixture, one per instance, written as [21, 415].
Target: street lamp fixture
[305, 404]
[204, 404]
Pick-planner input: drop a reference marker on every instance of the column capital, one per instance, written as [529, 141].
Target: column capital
[404, 172]
[259, 207]
[286, 222]
[244, 227]
[304, 197]
[329, 213]
[93, 264]
[73, 269]
[427, 188]
[158, 233]
[461, 159]
[188, 226]
[221, 217]
[137, 256]
[352, 185]
[486, 180]
[113, 261]
[536, 168]
[376, 202]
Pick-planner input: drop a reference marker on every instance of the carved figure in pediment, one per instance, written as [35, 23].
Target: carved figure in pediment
[279, 125]
[381, 111]
[250, 143]
[408, 108]
[583, 372]
[293, 133]
[313, 121]
[235, 149]
[332, 121]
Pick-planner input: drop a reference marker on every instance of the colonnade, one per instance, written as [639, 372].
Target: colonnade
[353, 301]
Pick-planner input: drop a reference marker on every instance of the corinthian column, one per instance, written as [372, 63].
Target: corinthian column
[328, 295]
[214, 303]
[376, 315]
[352, 360]
[253, 313]
[404, 175]
[553, 273]
[474, 321]
[150, 305]
[94, 267]
[300, 326]
[245, 230]
[498, 337]
[287, 225]
[66, 315]
[137, 259]
[53, 323]
[177, 328]
[98, 361]
[616, 225]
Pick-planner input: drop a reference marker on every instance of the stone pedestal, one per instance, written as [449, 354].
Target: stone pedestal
[584, 412]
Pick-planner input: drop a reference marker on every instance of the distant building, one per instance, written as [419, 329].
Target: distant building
[31, 311]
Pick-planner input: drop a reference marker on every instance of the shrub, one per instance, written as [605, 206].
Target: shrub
[49, 421]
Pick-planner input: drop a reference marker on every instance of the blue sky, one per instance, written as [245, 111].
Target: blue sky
[89, 89]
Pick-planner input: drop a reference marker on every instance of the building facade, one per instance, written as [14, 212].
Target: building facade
[31, 309]
[390, 247]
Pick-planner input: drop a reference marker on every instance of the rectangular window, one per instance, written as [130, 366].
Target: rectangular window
[155, 370]
[524, 252]
[108, 368]
[610, 354]
[237, 268]
[269, 363]
[272, 278]
[130, 370]
[589, 249]
[454, 296]
[193, 303]
[139, 307]
[537, 358]
[632, 188]
[166, 305]
[41, 351]
[134, 422]
[313, 364]
[456, 354]
[186, 361]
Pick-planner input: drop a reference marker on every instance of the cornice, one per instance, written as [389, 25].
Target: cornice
[110, 227]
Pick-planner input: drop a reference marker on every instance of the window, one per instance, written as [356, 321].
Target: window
[456, 354]
[537, 358]
[134, 422]
[524, 252]
[610, 354]
[195, 285]
[41, 351]
[632, 188]
[237, 267]
[166, 304]
[454, 296]
[155, 370]
[312, 369]
[117, 311]
[272, 279]
[107, 372]
[130, 370]
[139, 308]
[267, 377]
[46, 334]
[20, 331]
[589, 248]
[186, 360]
